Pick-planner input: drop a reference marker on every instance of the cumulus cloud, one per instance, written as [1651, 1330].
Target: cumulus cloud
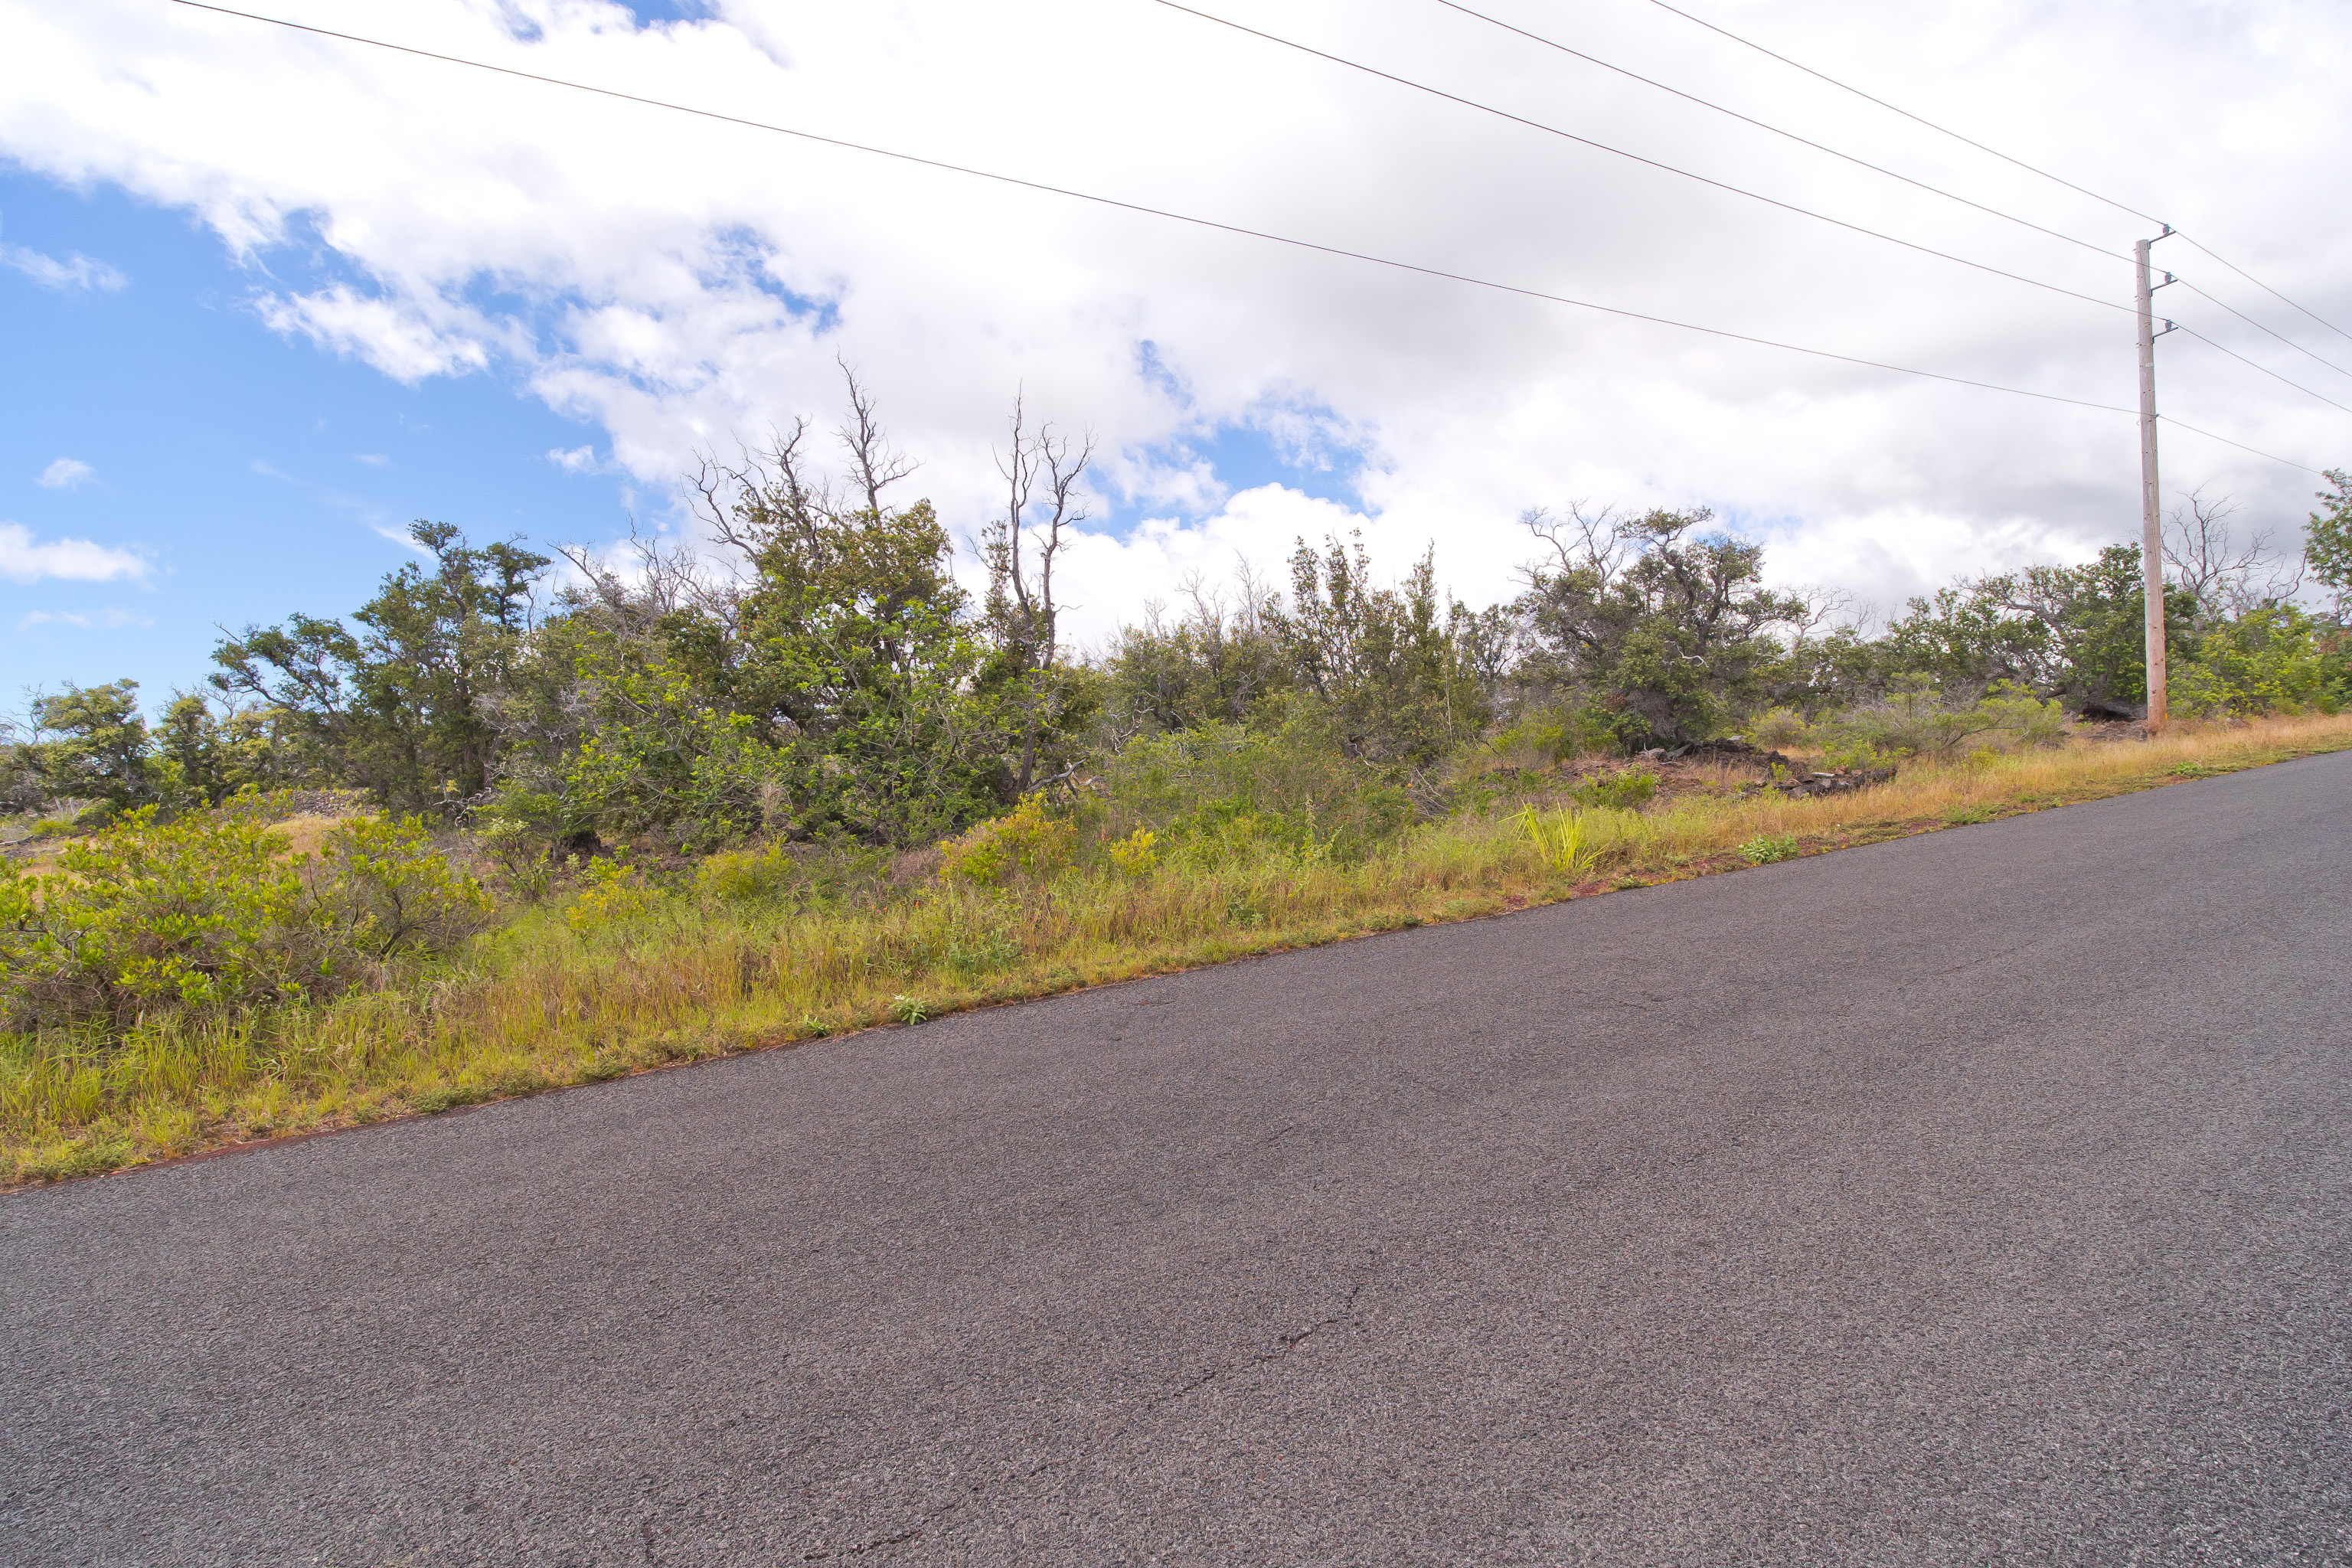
[64, 474]
[25, 559]
[574, 460]
[682, 285]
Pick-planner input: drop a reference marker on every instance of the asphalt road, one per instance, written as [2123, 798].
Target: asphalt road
[1984, 1197]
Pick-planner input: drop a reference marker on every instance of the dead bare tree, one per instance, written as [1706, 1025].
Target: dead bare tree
[1041, 472]
[1582, 542]
[2201, 547]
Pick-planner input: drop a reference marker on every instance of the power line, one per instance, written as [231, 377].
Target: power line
[2257, 325]
[2241, 446]
[1635, 157]
[2004, 157]
[1777, 131]
[2267, 288]
[2263, 368]
[1896, 108]
[1181, 218]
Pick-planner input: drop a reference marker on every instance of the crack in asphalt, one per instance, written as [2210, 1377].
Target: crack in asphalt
[1284, 1345]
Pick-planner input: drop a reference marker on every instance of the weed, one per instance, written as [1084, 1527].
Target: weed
[447, 1097]
[1766, 847]
[909, 1010]
[1559, 837]
[1136, 854]
[611, 891]
[1962, 815]
[1625, 792]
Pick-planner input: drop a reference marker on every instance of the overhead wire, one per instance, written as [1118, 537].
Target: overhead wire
[2290, 342]
[1898, 108]
[1779, 130]
[1212, 223]
[2004, 157]
[1521, 120]
[2264, 287]
[1635, 157]
[2263, 368]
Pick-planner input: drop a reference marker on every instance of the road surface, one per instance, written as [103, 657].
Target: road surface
[1978, 1197]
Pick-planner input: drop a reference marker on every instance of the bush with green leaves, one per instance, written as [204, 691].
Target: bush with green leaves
[1289, 782]
[2274, 659]
[1028, 840]
[1919, 718]
[212, 912]
[380, 888]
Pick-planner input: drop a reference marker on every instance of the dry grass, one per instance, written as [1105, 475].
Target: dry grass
[541, 1004]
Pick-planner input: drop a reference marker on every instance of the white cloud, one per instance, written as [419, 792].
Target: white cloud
[681, 284]
[64, 474]
[404, 344]
[71, 560]
[576, 460]
[112, 619]
[372, 460]
[77, 271]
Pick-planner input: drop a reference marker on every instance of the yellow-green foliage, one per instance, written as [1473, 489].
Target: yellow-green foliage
[214, 910]
[1136, 854]
[199, 912]
[1559, 837]
[381, 887]
[611, 890]
[1025, 840]
[748, 876]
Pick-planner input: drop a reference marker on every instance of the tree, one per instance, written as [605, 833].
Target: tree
[403, 710]
[1385, 661]
[89, 743]
[860, 651]
[1214, 664]
[1042, 469]
[1670, 630]
[2327, 539]
[2223, 579]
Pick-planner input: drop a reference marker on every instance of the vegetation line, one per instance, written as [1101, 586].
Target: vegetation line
[624, 978]
[478, 839]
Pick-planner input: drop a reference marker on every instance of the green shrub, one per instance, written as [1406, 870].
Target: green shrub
[210, 911]
[1226, 790]
[1766, 847]
[1623, 792]
[748, 876]
[380, 887]
[1026, 839]
[1917, 720]
[2268, 661]
[1136, 854]
[204, 913]
[1778, 729]
[611, 890]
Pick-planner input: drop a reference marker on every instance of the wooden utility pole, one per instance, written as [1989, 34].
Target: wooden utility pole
[2151, 517]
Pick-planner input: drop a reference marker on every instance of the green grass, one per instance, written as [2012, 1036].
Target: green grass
[556, 997]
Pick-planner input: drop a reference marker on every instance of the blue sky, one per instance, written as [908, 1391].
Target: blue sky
[257, 474]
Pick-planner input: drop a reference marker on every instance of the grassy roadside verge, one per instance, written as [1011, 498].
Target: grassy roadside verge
[669, 977]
